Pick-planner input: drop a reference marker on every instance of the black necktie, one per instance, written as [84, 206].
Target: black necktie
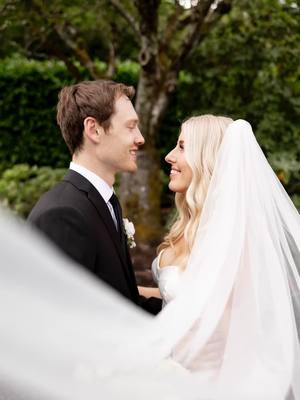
[118, 212]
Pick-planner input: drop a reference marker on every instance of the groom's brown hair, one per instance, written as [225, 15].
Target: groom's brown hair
[87, 99]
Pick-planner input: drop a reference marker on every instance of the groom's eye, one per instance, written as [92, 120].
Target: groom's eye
[132, 126]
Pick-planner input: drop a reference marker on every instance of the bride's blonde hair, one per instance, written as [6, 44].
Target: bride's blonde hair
[203, 136]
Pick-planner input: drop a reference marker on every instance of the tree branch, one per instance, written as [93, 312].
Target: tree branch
[129, 18]
[202, 20]
[111, 68]
[69, 36]
[172, 26]
[148, 11]
[71, 66]
[148, 27]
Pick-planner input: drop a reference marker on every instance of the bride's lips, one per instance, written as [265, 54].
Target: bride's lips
[174, 172]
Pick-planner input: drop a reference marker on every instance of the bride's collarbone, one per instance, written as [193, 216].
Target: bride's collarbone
[172, 256]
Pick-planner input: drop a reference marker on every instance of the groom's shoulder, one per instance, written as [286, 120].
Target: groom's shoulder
[63, 194]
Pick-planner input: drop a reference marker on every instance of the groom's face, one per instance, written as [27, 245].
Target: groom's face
[121, 142]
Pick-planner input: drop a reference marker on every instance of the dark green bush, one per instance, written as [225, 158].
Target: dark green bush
[21, 186]
[28, 97]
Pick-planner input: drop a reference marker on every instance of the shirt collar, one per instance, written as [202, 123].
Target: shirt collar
[102, 187]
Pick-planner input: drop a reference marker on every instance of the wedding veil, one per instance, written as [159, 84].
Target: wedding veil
[65, 336]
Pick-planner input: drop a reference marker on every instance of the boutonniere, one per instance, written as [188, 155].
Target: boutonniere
[130, 231]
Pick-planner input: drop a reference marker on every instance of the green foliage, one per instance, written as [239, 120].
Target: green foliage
[28, 132]
[22, 185]
[248, 67]
[128, 73]
[28, 97]
[286, 164]
[30, 28]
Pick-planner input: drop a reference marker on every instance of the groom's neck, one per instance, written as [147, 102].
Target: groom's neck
[95, 166]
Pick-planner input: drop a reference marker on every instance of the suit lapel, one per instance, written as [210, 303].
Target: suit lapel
[98, 202]
[102, 209]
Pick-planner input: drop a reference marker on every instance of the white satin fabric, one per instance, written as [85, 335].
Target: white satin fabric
[65, 336]
[168, 279]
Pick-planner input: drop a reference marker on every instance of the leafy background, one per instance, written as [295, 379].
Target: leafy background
[248, 67]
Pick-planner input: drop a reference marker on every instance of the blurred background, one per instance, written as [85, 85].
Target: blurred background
[238, 58]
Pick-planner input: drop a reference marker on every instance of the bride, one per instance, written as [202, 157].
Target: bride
[227, 272]
[192, 162]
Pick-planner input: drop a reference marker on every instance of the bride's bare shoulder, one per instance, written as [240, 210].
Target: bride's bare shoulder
[171, 255]
[166, 257]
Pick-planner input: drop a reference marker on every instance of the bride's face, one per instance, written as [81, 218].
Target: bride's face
[181, 173]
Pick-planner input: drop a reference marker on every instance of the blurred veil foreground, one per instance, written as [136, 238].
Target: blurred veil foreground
[65, 336]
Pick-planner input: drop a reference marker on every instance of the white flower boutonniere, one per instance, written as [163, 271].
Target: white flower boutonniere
[130, 231]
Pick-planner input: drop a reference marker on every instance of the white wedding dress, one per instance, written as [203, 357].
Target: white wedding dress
[231, 319]
[209, 360]
[166, 278]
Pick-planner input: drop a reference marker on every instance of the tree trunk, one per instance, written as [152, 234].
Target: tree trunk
[140, 197]
[140, 193]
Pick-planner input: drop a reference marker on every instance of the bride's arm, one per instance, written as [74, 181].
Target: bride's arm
[149, 292]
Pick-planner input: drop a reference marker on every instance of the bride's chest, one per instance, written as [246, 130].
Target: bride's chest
[169, 282]
[168, 278]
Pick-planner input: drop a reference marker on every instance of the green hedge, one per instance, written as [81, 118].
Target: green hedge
[28, 97]
[21, 186]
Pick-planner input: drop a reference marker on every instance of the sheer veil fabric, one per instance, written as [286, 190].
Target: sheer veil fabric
[63, 335]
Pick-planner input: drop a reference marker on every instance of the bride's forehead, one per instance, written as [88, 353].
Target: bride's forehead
[181, 136]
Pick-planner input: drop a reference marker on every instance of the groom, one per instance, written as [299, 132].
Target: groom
[81, 214]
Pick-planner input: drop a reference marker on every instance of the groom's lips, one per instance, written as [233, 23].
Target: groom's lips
[133, 152]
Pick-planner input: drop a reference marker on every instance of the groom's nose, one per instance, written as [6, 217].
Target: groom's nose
[139, 138]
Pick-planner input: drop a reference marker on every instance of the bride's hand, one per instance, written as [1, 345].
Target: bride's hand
[149, 292]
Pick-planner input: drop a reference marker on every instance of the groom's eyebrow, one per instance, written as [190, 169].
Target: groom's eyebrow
[133, 120]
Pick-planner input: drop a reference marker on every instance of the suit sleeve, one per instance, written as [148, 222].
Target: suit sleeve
[152, 305]
[66, 228]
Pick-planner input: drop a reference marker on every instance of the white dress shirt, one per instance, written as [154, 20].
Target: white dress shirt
[100, 185]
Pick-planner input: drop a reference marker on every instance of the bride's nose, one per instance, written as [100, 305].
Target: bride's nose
[170, 157]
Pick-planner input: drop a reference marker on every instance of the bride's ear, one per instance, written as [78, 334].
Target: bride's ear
[92, 130]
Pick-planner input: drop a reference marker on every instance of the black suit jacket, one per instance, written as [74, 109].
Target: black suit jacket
[76, 218]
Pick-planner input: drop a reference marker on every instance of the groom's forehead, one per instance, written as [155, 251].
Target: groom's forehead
[124, 109]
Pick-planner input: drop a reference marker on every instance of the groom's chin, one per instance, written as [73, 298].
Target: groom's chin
[132, 167]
